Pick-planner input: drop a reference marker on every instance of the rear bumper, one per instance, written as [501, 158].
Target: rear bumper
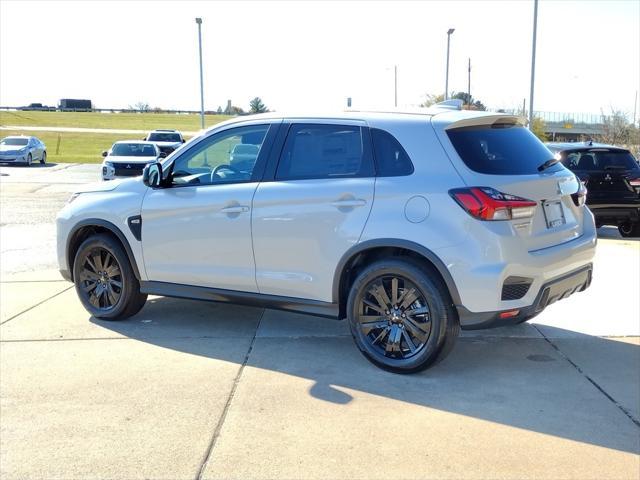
[616, 214]
[556, 289]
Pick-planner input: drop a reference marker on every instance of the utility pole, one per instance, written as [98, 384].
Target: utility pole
[635, 107]
[533, 61]
[469, 85]
[199, 22]
[446, 83]
[395, 85]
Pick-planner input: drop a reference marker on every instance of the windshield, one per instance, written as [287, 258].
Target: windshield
[164, 137]
[14, 141]
[133, 150]
[501, 149]
[599, 160]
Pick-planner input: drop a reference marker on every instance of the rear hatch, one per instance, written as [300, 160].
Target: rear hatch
[497, 151]
[611, 174]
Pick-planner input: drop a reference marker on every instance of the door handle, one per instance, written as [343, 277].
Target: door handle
[235, 209]
[350, 203]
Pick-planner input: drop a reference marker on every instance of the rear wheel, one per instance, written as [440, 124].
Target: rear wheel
[401, 316]
[629, 229]
[105, 281]
[43, 160]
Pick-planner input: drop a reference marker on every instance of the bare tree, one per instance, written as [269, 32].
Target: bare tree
[140, 107]
[617, 128]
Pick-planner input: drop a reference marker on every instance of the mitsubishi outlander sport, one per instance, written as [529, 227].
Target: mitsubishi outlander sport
[410, 225]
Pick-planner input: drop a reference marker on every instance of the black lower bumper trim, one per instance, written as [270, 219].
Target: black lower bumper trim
[552, 291]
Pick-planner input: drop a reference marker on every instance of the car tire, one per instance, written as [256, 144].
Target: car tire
[381, 325]
[29, 160]
[104, 279]
[43, 160]
[629, 229]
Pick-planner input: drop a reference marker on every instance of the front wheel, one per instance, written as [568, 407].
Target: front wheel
[105, 282]
[29, 160]
[43, 160]
[401, 316]
[629, 229]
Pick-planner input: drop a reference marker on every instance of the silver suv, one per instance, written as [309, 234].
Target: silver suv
[410, 225]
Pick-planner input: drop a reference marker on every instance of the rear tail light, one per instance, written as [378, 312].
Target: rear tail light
[580, 197]
[485, 203]
[634, 182]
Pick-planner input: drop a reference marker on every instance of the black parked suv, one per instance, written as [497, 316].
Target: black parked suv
[612, 178]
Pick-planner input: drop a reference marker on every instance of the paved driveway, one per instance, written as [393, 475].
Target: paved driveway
[188, 389]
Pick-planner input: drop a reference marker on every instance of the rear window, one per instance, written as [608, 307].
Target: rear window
[164, 137]
[501, 149]
[599, 160]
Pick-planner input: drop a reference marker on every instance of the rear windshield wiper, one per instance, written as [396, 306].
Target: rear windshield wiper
[549, 163]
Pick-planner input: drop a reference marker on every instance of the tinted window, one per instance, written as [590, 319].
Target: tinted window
[226, 157]
[164, 137]
[322, 151]
[599, 160]
[133, 150]
[501, 150]
[391, 158]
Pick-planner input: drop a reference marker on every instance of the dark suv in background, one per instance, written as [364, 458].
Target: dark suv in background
[612, 177]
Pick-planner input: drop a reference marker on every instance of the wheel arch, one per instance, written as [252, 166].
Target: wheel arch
[370, 250]
[83, 229]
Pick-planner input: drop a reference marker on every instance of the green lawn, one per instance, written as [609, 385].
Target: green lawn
[125, 121]
[87, 147]
[73, 147]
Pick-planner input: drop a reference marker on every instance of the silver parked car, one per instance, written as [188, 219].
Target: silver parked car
[23, 150]
[409, 225]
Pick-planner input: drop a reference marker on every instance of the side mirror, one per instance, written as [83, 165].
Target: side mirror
[183, 140]
[152, 175]
[163, 155]
[105, 153]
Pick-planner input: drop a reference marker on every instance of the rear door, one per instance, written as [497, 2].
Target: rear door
[313, 208]
[499, 152]
[607, 173]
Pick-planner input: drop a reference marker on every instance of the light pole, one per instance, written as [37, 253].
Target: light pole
[395, 85]
[533, 61]
[199, 22]
[446, 83]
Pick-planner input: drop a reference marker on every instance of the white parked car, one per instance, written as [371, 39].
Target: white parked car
[22, 149]
[410, 225]
[128, 158]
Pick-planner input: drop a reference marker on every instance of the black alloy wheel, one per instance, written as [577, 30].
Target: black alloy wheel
[101, 278]
[401, 315]
[105, 281]
[394, 316]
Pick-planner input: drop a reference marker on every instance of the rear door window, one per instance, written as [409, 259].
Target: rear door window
[314, 151]
[501, 149]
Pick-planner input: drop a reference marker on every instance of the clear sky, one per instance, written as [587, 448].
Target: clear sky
[312, 55]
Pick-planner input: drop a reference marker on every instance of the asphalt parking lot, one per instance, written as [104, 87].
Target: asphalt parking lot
[189, 389]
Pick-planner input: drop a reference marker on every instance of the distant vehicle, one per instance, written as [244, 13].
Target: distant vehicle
[612, 177]
[128, 158]
[166, 140]
[21, 149]
[75, 104]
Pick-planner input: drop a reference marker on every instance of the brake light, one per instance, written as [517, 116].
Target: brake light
[580, 197]
[485, 203]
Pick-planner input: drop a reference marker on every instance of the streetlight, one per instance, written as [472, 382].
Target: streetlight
[199, 22]
[533, 61]
[446, 84]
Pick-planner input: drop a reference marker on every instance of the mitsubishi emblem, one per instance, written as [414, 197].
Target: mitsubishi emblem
[607, 177]
[128, 165]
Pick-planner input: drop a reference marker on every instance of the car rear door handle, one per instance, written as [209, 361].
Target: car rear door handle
[349, 203]
[235, 209]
